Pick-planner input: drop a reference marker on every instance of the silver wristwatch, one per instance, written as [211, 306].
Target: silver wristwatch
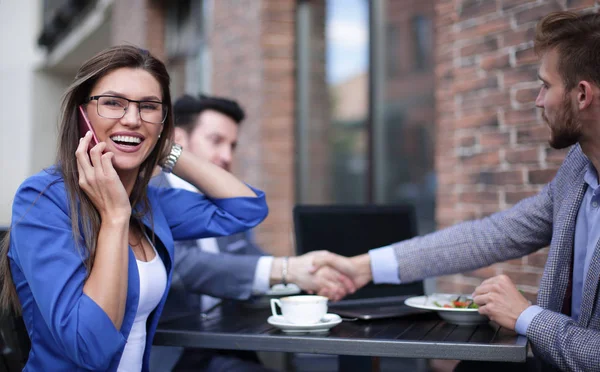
[171, 159]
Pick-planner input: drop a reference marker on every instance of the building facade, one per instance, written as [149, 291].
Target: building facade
[426, 102]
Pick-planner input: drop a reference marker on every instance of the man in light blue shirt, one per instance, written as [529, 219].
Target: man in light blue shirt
[564, 326]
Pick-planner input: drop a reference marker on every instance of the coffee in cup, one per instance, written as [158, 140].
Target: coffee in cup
[305, 309]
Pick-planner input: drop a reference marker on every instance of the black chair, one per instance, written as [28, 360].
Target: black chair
[14, 340]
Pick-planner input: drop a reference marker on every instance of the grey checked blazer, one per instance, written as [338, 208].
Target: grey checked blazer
[545, 219]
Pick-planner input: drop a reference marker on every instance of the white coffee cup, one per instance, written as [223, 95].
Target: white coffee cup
[306, 309]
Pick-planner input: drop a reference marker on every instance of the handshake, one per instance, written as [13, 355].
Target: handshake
[325, 273]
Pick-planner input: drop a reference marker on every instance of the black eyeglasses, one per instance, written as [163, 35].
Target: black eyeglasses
[112, 107]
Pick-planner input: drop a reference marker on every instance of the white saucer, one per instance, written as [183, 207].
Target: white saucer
[283, 290]
[328, 321]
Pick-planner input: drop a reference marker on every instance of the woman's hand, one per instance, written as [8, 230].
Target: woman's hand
[100, 181]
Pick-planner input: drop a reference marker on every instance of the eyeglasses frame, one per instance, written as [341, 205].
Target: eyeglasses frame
[96, 98]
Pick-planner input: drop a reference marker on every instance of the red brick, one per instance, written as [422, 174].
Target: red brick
[485, 210]
[460, 214]
[487, 158]
[479, 197]
[475, 8]
[446, 107]
[510, 4]
[478, 120]
[526, 95]
[494, 139]
[494, 62]
[513, 197]
[513, 177]
[521, 74]
[541, 176]
[449, 286]
[555, 156]
[522, 156]
[575, 5]
[489, 44]
[489, 27]
[524, 278]
[466, 141]
[538, 259]
[526, 57]
[467, 61]
[483, 273]
[532, 135]
[466, 73]
[513, 264]
[520, 117]
[512, 38]
[484, 100]
[475, 84]
[536, 13]
[444, 70]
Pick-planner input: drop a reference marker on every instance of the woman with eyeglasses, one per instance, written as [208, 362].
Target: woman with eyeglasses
[89, 256]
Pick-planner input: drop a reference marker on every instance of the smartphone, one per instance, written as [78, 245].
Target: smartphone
[85, 126]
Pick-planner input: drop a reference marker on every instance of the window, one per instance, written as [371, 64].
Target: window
[185, 46]
[423, 39]
[367, 135]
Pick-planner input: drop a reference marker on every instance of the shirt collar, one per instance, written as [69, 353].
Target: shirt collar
[591, 176]
[178, 183]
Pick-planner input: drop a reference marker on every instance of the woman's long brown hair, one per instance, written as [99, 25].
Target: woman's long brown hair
[82, 210]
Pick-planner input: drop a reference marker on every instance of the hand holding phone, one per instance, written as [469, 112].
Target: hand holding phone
[85, 126]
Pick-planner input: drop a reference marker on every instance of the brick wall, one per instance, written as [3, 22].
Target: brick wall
[252, 43]
[141, 23]
[491, 141]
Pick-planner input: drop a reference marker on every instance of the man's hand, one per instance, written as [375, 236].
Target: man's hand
[357, 268]
[325, 281]
[500, 300]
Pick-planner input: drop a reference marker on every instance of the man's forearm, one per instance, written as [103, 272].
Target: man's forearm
[275, 277]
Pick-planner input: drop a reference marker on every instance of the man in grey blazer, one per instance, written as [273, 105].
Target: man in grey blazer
[231, 267]
[564, 326]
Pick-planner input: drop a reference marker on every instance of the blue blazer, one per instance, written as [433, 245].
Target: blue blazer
[68, 330]
[229, 274]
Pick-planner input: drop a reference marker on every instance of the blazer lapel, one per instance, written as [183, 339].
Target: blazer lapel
[165, 254]
[558, 269]
[590, 289]
[133, 294]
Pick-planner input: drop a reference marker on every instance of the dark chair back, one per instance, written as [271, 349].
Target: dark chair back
[350, 230]
[14, 340]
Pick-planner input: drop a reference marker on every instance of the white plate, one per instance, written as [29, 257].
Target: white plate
[451, 315]
[283, 290]
[328, 321]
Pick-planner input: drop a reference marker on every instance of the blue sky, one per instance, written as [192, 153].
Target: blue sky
[347, 39]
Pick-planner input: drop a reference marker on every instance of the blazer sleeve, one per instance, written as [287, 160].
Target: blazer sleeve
[191, 215]
[558, 339]
[206, 273]
[515, 232]
[43, 249]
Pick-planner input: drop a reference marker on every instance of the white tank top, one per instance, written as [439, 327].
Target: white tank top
[153, 282]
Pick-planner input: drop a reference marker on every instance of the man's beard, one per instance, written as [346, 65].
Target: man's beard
[566, 130]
